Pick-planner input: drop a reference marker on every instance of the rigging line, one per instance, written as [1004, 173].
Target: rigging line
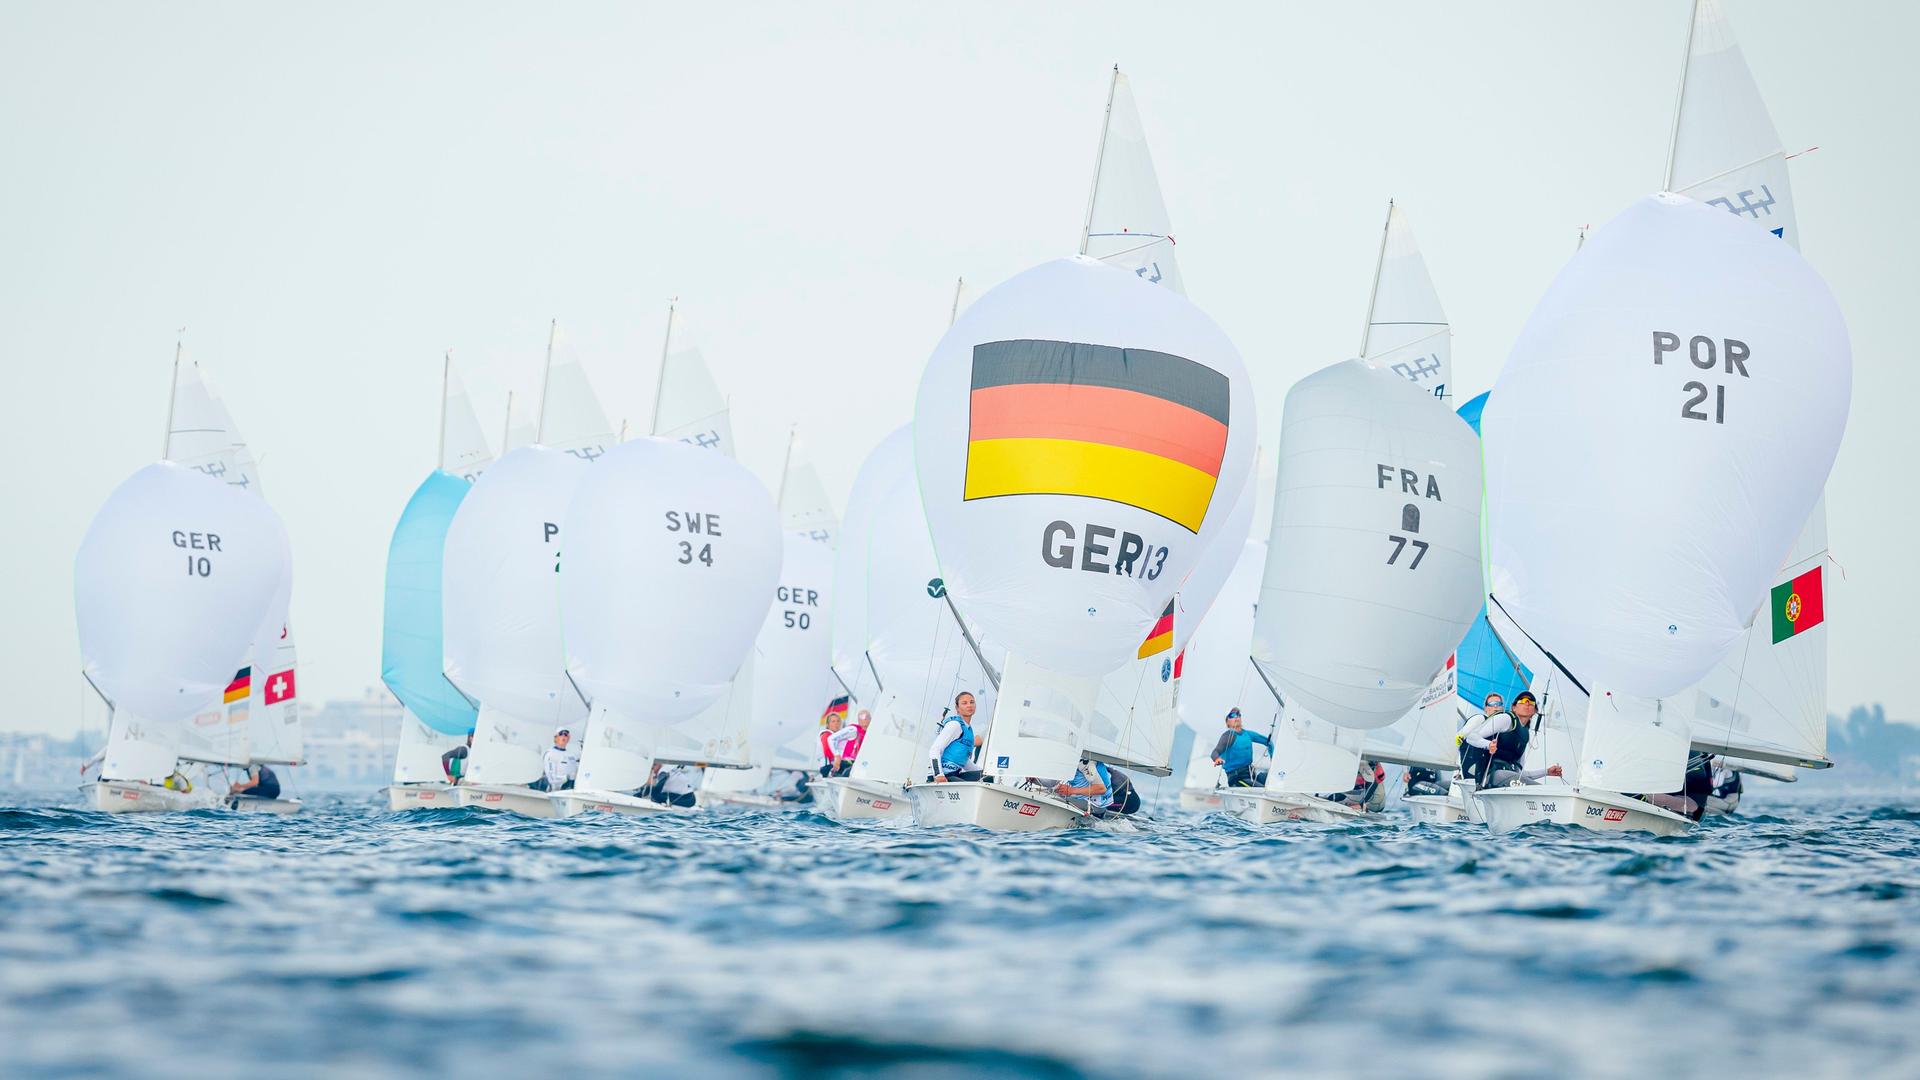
[1544, 651]
[1129, 251]
[1781, 154]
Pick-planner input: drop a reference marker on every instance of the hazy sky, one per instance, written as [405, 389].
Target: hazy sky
[329, 195]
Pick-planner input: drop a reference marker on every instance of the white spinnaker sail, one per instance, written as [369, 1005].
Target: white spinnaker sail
[1767, 698]
[1127, 224]
[571, 419]
[916, 652]
[464, 450]
[688, 405]
[1424, 735]
[1310, 755]
[889, 463]
[501, 612]
[1407, 331]
[1725, 151]
[792, 679]
[804, 505]
[672, 555]
[171, 582]
[1640, 562]
[1080, 437]
[1373, 565]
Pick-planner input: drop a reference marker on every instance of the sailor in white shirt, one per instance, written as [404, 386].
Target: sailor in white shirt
[675, 784]
[562, 762]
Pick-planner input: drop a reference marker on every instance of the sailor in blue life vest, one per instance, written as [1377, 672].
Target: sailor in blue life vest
[952, 752]
[259, 784]
[1234, 751]
[1502, 740]
[1106, 789]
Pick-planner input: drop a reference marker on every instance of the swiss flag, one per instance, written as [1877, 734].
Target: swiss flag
[280, 687]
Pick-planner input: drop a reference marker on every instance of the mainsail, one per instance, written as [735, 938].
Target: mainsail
[687, 403]
[1127, 223]
[571, 419]
[1406, 330]
[464, 450]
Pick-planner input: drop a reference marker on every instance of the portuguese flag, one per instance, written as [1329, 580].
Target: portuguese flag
[1797, 606]
[1133, 426]
[1160, 638]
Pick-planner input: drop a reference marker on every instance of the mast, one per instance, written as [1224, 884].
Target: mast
[786, 464]
[446, 369]
[1099, 159]
[961, 283]
[173, 391]
[1680, 94]
[1373, 294]
[546, 377]
[660, 381]
[506, 429]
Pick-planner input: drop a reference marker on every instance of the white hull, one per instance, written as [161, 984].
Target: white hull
[845, 800]
[1435, 809]
[1510, 808]
[1199, 799]
[1257, 806]
[747, 800]
[571, 803]
[428, 796]
[509, 797]
[245, 804]
[138, 797]
[999, 807]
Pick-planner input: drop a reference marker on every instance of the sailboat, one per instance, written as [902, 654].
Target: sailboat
[672, 559]
[1765, 704]
[500, 623]
[1372, 578]
[1218, 677]
[1718, 339]
[791, 672]
[434, 716]
[172, 582]
[1079, 436]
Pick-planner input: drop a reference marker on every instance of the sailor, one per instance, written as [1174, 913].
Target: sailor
[1424, 781]
[454, 761]
[1473, 759]
[1501, 777]
[1725, 798]
[790, 786]
[843, 746]
[93, 762]
[952, 752]
[1501, 739]
[1089, 782]
[560, 765]
[673, 785]
[1691, 799]
[177, 781]
[1121, 797]
[260, 784]
[1234, 751]
[834, 721]
[1369, 780]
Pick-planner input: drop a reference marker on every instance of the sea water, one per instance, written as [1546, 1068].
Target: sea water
[352, 941]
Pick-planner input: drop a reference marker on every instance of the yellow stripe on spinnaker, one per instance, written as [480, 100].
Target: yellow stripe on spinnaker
[1171, 489]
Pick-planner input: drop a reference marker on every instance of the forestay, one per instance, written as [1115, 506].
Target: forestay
[1407, 332]
[1127, 224]
[1079, 436]
[1639, 562]
[1373, 567]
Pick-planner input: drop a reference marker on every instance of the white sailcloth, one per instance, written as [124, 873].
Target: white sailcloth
[688, 405]
[1424, 734]
[1127, 224]
[571, 419]
[1217, 677]
[792, 679]
[501, 614]
[1725, 151]
[274, 733]
[1634, 743]
[418, 759]
[890, 463]
[804, 505]
[1640, 562]
[201, 434]
[171, 582]
[1373, 567]
[1407, 332]
[1075, 432]
[464, 450]
[1311, 755]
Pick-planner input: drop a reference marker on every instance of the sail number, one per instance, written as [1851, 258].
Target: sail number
[796, 617]
[197, 565]
[1400, 544]
[1706, 354]
[1132, 555]
[694, 523]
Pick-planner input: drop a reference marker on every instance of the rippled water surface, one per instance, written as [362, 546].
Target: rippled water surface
[352, 940]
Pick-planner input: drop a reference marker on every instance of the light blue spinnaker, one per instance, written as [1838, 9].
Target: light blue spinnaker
[410, 653]
[1483, 666]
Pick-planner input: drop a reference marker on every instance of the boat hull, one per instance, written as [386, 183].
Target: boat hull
[574, 803]
[846, 800]
[745, 800]
[509, 797]
[138, 797]
[995, 806]
[1199, 800]
[1435, 809]
[248, 804]
[1260, 807]
[428, 796]
[1510, 808]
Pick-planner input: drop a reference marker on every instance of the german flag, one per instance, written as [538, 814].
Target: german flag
[836, 707]
[1142, 428]
[1160, 638]
[237, 689]
[1798, 606]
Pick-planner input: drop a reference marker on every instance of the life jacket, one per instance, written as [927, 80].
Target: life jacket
[826, 749]
[1513, 746]
[852, 751]
[1239, 753]
[960, 751]
[1118, 787]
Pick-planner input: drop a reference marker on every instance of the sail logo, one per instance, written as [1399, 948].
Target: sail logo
[1706, 354]
[588, 453]
[1135, 427]
[1747, 206]
[1420, 369]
